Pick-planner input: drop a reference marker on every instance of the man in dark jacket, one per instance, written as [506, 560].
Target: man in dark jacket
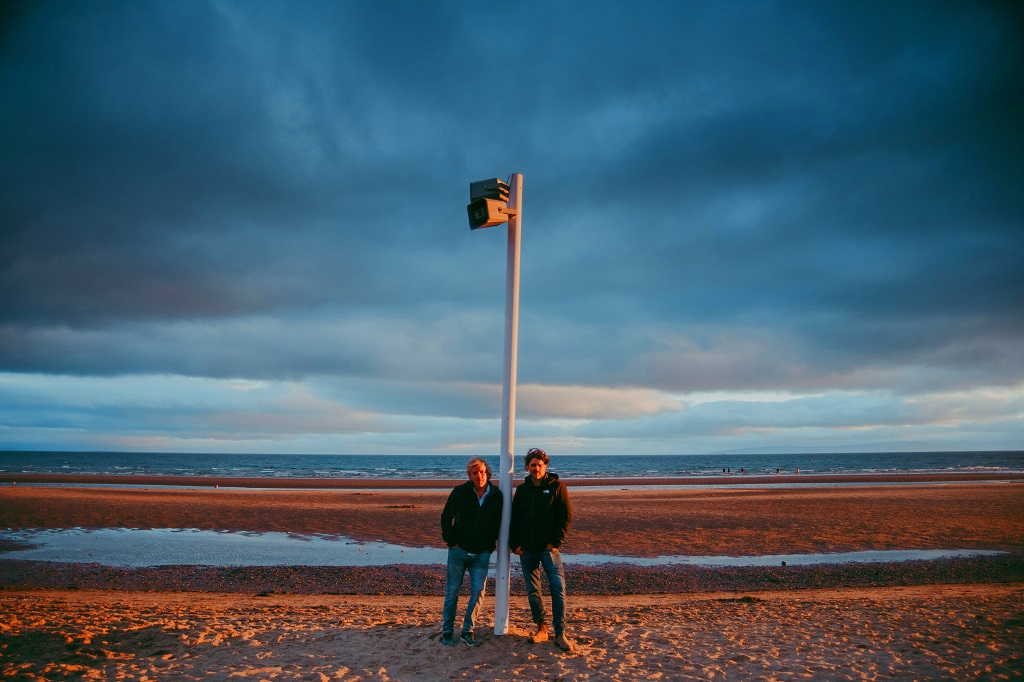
[469, 526]
[541, 514]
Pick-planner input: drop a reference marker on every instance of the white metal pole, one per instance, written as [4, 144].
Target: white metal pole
[508, 404]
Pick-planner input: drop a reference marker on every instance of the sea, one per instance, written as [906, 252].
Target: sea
[413, 466]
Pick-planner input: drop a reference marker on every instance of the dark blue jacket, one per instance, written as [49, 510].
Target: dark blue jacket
[541, 515]
[467, 523]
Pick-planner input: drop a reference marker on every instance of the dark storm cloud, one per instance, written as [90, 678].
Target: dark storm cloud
[720, 195]
[164, 159]
[862, 197]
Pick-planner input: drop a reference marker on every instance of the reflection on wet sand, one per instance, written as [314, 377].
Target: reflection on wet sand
[193, 547]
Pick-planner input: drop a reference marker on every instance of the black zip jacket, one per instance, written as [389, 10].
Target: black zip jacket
[541, 515]
[467, 523]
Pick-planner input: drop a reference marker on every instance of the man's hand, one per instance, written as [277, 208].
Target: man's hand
[518, 551]
[550, 546]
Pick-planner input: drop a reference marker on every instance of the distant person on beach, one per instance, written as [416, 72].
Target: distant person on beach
[541, 515]
[469, 526]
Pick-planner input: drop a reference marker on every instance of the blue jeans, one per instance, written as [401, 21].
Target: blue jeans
[460, 561]
[551, 560]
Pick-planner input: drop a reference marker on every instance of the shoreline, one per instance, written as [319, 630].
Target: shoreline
[434, 483]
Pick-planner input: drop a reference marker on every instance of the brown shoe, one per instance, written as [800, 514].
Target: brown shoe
[563, 643]
[541, 635]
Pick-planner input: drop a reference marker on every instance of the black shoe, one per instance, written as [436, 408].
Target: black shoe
[468, 639]
[448, 639]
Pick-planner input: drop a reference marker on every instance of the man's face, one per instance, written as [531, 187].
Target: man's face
[478, 475]
[537, 468]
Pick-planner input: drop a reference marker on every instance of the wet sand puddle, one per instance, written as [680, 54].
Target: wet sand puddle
[132, 547]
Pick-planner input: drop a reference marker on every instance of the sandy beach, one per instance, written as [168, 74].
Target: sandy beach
[889, 633]
[946, 619]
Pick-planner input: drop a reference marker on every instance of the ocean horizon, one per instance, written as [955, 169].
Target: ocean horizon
[415, 466]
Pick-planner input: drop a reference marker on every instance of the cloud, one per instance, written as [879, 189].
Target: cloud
[582, 402]
[866, 421]
[784, 198]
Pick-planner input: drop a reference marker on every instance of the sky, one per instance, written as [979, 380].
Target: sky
[748, 226]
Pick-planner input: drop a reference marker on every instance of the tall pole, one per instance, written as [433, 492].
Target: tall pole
[508, 404]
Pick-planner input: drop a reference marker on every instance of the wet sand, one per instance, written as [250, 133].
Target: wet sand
[914, 620]
[647, 522]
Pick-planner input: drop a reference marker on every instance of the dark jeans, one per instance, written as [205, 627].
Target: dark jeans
[460, 561]
[551, 560]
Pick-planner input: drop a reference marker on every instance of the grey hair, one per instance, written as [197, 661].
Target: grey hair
[479, 460]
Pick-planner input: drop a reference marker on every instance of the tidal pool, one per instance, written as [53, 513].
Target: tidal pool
[134, 547]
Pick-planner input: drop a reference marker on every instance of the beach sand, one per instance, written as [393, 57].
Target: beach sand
[888, 633]
[947, 619]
